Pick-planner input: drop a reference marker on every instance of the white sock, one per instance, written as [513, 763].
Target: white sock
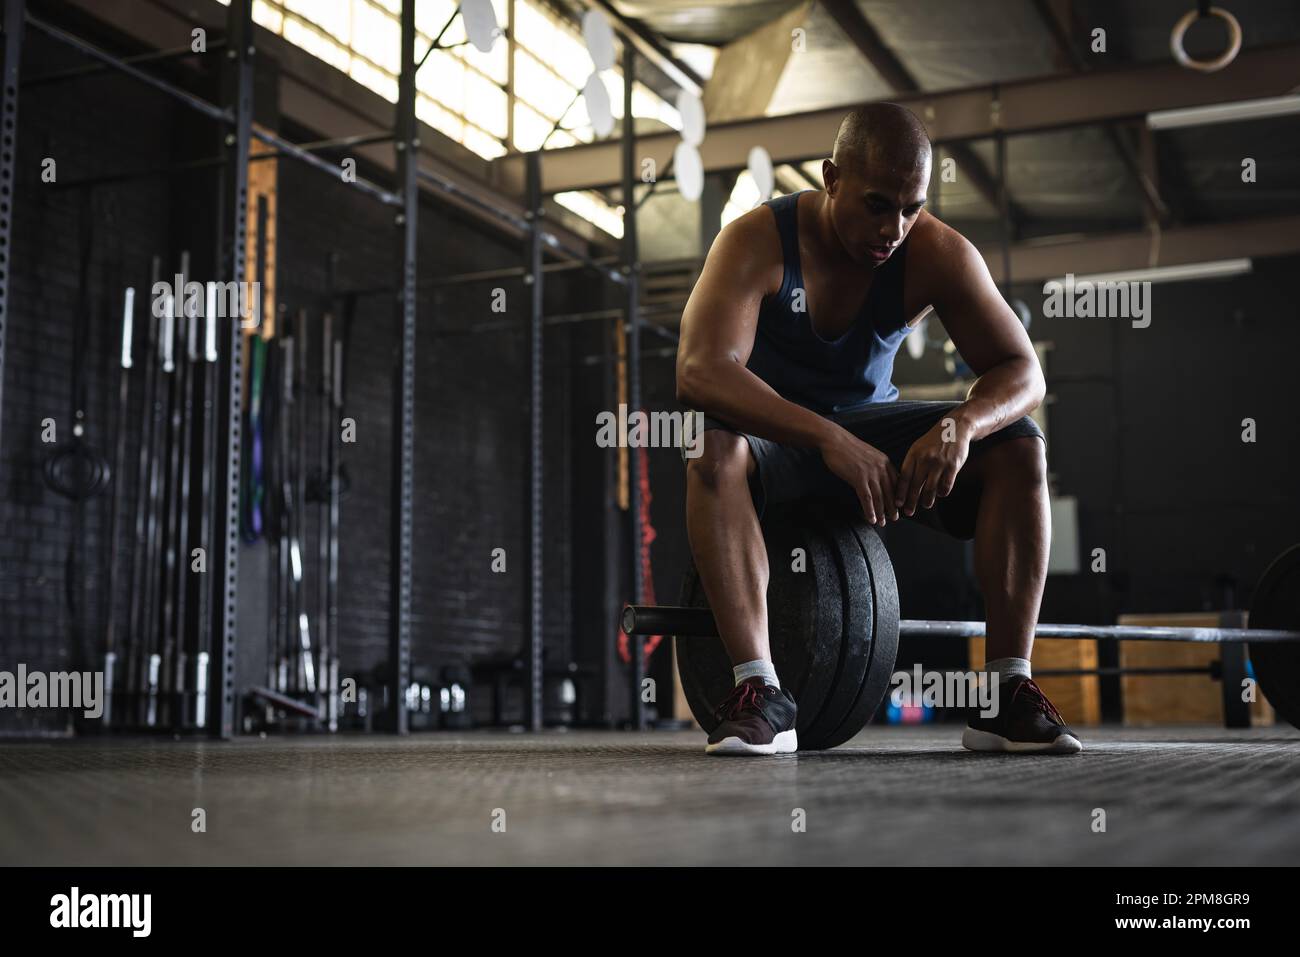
[1004, 668]
[757, 668]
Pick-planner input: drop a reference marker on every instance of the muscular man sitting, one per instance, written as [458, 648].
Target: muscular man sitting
[787, 347]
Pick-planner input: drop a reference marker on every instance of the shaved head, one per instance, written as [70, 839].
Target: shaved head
[876, 180]
[882, 136]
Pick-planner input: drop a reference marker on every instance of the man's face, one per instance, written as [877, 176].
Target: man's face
[874, 206]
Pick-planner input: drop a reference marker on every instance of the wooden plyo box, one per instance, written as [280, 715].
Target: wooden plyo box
[1077, 697]
[1176, 699]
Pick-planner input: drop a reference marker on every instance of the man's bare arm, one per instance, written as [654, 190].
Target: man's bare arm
[717, 336]
[989, 337]
[993, 342]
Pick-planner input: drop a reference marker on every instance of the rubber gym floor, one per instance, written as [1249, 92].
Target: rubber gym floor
[1191, 795]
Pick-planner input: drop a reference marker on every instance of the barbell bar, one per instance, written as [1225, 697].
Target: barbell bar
[834, 627]
[699, 623]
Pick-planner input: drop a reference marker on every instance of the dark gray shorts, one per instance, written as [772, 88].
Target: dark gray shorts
[787, 473]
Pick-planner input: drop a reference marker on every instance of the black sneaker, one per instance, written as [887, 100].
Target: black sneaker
[1026, 722]
[756, 718]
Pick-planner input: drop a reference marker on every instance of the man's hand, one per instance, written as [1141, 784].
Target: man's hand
[931, 466]
[865, 468]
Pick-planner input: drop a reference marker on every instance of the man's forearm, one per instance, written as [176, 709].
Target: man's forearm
[1000, 396]
[733, 394]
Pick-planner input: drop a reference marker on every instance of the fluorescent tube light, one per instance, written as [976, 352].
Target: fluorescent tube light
[1224, 113]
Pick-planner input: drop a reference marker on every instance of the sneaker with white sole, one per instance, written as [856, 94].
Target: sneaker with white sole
[1026, 723]
[756, 718]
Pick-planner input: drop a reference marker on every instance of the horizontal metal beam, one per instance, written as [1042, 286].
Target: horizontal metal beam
[699, 623]
[89, 49]
[343, 142]
[494, 209]
[1053, 257]
[151, 56]
[284, 149]
[1024, 106]
[1120, 252]
[153, 172]
[510, 272]
[287, 150]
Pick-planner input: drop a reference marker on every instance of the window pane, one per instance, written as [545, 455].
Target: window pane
[374, 79]
[744, 197]
[591, 207]
[533, 28]
[485, 146]
[559, 45]
[541, 88]
[378, 37]
[577, 122]
[430, 15]
[568, 57]
[530, 128]
[443, 78]
[495, 63]
[332, 16]
[439, 118]
[267, 16]
[304, 36]
[486, 103]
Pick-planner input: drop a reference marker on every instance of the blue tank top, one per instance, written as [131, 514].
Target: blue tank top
[826, 376]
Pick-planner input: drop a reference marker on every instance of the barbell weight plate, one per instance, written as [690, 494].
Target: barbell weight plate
[854, 645]
[810, 657]
[700, 670]
[1276, 604]
[883, 630]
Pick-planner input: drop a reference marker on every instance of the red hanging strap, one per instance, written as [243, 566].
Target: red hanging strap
[647, 575]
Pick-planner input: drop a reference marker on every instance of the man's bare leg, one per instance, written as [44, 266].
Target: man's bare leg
[727, 543]
[1012, 534]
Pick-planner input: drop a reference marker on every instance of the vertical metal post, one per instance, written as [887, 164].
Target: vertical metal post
[510, 74]
[611, 539]
[238, 93]
[1232, 676]
[14, 11]
[406, 143]
[533, 279]
[632, 268]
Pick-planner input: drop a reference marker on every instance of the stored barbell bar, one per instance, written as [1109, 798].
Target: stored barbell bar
[699, 623]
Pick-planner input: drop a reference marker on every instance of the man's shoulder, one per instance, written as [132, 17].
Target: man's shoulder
[939, 254]
[755, 225]
[933, 238]
[750, 246]
[941, 264]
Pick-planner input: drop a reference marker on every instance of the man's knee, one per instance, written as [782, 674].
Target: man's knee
[724, 461]
[1022, 460]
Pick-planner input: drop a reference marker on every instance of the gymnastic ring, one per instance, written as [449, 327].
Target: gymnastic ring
[1219, 62]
